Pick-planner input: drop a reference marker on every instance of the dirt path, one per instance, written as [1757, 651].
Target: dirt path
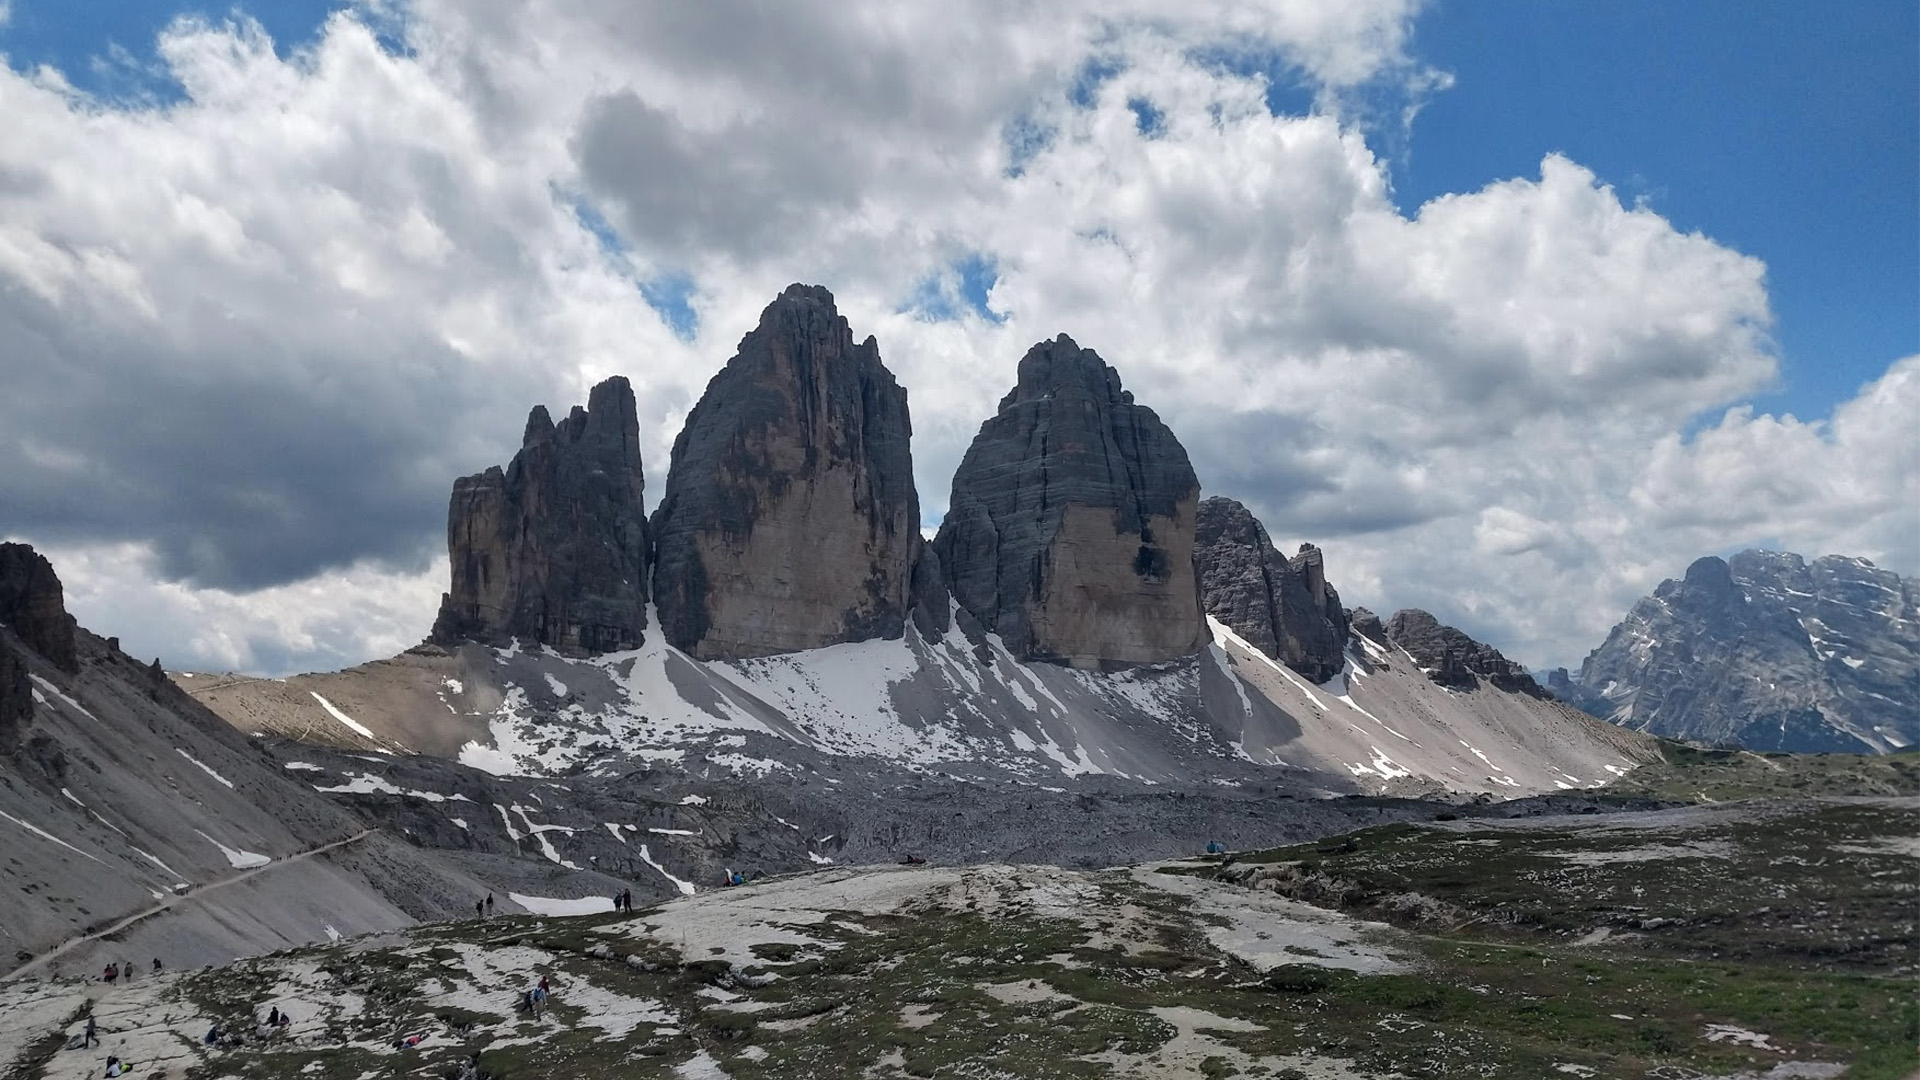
[72, 943]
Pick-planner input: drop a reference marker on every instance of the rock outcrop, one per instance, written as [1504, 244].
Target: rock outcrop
[1768, 651]
[1453, 659]
[32, 604]
[1070, 532]
[554, 548]
[790, 519]
[16, 696]
[1283, 607]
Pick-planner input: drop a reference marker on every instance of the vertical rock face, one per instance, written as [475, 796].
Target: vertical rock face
[1769, 651]
[1071, 528]
[16, 697]
[1283, 607]
[1453, 659]
[554, 548]
[790, 520]
[31, 602]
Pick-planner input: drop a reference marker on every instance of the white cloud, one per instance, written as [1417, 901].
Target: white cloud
[260, 330]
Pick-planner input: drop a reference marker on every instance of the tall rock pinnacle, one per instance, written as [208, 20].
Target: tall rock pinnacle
[790, 520]
[1071, 528]
[1283, 607]
[32, 603]
[554, 548]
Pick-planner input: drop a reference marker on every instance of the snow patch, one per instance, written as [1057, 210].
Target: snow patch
[239, 858]
[685, 887]
[204, 767]
[552, 905]
[349, 721]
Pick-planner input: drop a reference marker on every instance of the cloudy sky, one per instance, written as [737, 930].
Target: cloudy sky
[1514, 309]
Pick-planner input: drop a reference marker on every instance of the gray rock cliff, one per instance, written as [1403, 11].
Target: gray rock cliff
[790, 519]
[1453, 659]
[1070, 532]
[33, 605]
[1283, 607]
[1768, 651]
[553, 549]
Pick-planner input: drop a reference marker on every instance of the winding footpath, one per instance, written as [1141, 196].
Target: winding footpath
[175, 900]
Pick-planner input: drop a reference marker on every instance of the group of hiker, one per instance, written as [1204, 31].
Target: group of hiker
[623, 900]
[483, 908]
[535, 999]
[116, 972]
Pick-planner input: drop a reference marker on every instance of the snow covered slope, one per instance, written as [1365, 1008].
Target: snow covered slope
[949, 704]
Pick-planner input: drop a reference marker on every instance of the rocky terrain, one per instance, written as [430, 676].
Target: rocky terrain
[1283, 607]
[136, 824]
[554, 549]
[790, 520]
[1510, 950]
[1768, 651]
[1448, 656]
[1070, 532]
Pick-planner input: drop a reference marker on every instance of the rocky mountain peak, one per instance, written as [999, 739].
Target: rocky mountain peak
[554, 548]
[1454, 659]
[790, 519]
[1281, 606]
[1070, 531]
[1769, 651]
[33, 605]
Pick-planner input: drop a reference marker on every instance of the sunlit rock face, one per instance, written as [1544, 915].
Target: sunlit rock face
[790, 519]
[1070, 532]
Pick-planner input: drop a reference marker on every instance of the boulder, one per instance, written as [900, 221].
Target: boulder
[32, 604]
[553, 549]
[790, 519]
[1070, 532]
[1283, 607]
[1454, 660]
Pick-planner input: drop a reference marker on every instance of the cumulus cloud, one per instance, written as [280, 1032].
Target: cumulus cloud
[255, 333]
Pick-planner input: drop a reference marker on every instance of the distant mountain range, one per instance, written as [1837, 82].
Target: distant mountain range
[1767, 651]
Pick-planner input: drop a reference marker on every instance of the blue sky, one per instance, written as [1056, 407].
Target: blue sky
[1789, 131]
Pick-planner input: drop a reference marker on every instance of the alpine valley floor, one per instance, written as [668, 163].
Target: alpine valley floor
[1769, 939]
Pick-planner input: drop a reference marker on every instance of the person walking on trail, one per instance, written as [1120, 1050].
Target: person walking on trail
[93, 1032]
[479, 909]
[538, 998]
[626, 896]
[489, 903]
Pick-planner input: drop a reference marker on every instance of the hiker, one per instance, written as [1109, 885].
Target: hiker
[273, 1018]
[116, 1068]
[537, 997]
[1215, 847]
[489, 903]
[156, 965]
[479, 909]
[93, 1036]
[543, 984]
[213, 1036]
[112, 973]
[626, 897]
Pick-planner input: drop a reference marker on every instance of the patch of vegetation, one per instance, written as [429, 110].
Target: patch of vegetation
[1688, 773]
